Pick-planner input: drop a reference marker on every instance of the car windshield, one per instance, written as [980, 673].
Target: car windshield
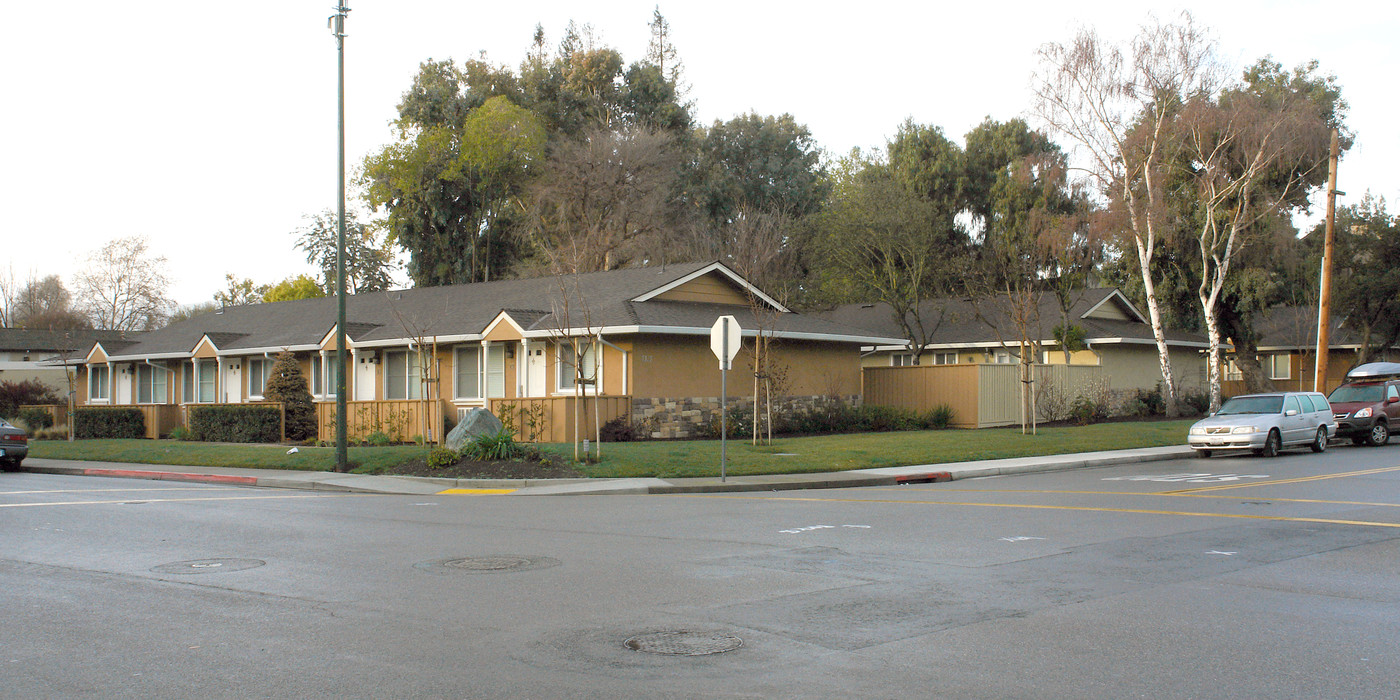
[1251, 404]
[1358, 393]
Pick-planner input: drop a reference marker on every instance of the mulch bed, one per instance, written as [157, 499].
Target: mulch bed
[468, 469]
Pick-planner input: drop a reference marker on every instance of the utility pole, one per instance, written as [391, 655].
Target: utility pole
[1324, 295]
[342, 458]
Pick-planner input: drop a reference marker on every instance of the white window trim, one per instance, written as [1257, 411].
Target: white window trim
[266, 365]
[199, 381]
[480, 353]
[559, 388]
[154, 370]
[897, 356]
[94, 384]
[1287, 367]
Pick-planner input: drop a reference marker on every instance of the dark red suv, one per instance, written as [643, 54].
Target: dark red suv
[1368, 404]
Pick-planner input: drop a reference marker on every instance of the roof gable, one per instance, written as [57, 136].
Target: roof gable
[712, 284]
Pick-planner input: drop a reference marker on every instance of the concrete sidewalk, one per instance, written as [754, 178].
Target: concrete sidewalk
[421, 486]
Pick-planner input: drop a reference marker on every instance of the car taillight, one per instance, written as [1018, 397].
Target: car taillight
[16, 438]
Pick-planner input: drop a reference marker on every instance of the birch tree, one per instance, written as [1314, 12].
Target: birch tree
[1117, 104]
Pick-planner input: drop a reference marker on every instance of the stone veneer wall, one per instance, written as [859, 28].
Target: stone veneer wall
[687, 417]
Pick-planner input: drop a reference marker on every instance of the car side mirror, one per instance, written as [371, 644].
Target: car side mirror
[1291, 412]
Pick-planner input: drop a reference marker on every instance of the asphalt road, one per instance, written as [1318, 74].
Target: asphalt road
[1253, 578]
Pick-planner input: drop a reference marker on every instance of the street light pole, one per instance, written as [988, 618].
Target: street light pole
[342, 459]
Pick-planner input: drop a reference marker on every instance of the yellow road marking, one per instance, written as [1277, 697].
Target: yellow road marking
[475, 492]
[1138, 511]
[1164, 494]
[1298, 480]
[177, 500]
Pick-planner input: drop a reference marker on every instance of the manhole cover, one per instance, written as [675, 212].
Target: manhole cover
[684, 643]
[207, 566]
[488, 564]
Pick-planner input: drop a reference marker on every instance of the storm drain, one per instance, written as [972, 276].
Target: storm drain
[684, 643]
[487, 565]
[207, 566]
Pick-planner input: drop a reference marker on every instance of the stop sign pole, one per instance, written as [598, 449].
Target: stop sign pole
[725, 337]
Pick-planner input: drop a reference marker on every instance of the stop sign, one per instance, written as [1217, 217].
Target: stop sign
[725, 344]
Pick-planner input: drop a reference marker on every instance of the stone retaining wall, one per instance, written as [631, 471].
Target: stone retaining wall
[692, 416]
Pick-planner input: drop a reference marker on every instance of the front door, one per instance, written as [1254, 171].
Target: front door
[364, 378]
[535, 370]
[233, 380]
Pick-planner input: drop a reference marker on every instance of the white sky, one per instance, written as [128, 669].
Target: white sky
[210, 127]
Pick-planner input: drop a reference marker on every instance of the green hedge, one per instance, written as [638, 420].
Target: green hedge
[236, 423]
[108, 423]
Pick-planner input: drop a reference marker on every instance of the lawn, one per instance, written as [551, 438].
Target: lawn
[665, 459]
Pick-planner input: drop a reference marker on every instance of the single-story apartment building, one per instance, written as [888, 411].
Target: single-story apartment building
[635, 339]
[1287, 350]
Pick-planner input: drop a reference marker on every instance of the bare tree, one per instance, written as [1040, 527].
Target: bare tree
[604, 199]
[9, 291]
[1117, 103]
[123, 287]
[1246, 155]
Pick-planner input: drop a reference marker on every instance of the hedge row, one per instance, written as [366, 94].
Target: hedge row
[236, 423]
[108, 423]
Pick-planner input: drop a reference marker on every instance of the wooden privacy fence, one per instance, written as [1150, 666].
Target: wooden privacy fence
[401, 420]
[981, 395]
[551, 418]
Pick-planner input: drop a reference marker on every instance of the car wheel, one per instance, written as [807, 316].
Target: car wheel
[1379, 435]
[1272, 444]
[1203, 454]
[1319, 443]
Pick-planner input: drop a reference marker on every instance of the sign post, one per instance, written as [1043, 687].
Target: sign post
[725, 338]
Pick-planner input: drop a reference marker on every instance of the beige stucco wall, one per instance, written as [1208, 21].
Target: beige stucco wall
[674, 366]
[1136, 366]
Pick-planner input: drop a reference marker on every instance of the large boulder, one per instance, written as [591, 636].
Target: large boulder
[478, 421]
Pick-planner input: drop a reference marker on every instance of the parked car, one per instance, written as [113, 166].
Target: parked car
[1368, 403]
[14, 446]
[1265, 424]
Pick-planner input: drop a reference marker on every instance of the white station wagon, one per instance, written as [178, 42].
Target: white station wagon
[1265, 424]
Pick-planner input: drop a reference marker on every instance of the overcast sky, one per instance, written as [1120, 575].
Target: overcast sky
[210, 127]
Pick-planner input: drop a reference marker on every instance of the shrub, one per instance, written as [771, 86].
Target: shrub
[25, 393]
[91, 423]
[1085, 411]
[250, 423]
[1198, 401]
[180, 432]
[500, 446]
[288, 385]
[617, 430]
[378, 439]
[939, 417]
[1151, 398]
[35, 418]
[1136, 408]
[440, 457]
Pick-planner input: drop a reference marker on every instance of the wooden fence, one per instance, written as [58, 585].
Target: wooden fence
[551, 419]
[981, 395]
[401, 420]
[57, 411]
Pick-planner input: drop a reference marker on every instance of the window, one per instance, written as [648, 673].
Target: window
[586, 367]
[467, 368]
[1002, 357]
[902, 359]
[403, 375]
[1320, 404]
[1232, 371]
[1290, 403]
[99, 382]
[257, 377]
[1391, 392]
[150, 384]
[943, 358]
[323, 375]
[187, 383]
[1279, 366]
[496, 371]
[207, 370]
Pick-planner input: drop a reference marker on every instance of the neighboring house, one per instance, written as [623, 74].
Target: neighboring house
[40, 354]
[1287, 350]
[1117, 337]
[641, 337]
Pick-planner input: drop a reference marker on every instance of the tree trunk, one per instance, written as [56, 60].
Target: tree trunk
[1155, 315]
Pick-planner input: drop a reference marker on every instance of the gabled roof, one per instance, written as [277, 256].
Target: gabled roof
[39, 341]
[541, 306]
[1103, 312]
[1295, 328]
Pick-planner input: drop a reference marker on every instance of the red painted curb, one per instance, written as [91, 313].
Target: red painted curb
[173, 476]
[930, 477]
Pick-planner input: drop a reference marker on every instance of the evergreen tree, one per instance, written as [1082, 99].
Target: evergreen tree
[288, 385]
